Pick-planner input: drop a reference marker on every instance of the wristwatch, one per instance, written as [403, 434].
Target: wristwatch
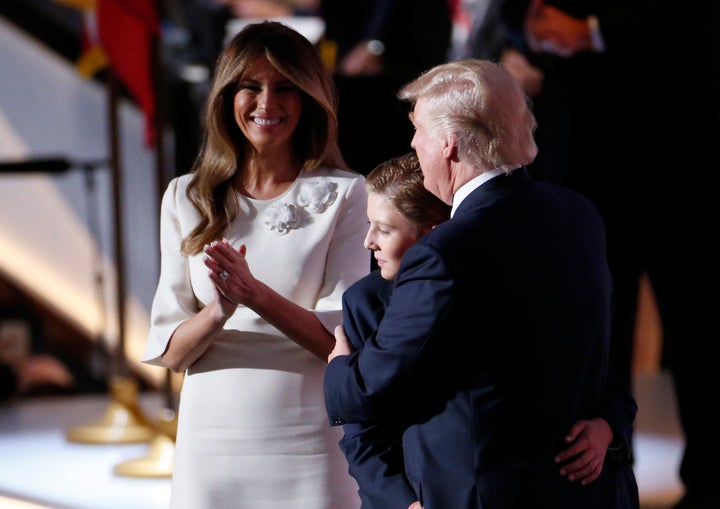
[375, 47]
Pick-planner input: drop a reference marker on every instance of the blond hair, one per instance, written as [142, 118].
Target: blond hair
[483, 106]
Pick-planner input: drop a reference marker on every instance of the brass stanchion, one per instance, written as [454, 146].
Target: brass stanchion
[158, 462]
[122, 422]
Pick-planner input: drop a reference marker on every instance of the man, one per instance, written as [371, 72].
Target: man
[496, 336]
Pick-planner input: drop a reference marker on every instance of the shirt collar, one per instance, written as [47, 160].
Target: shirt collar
[470, 186]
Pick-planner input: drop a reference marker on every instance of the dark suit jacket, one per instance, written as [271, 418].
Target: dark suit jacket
[374, 451]
[494, 342]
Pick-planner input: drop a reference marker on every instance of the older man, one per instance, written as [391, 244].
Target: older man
[496, 336]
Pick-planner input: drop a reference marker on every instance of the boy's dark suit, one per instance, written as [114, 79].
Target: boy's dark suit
[373, 450]
[495, 341]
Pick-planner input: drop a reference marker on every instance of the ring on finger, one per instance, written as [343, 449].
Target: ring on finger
[224, 275]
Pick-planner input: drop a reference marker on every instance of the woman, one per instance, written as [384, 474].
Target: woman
[258, 244]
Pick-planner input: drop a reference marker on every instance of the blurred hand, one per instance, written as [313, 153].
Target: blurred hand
[257, 8]
[529, 76]
[550, 30]
[42, 370]
[360, 62]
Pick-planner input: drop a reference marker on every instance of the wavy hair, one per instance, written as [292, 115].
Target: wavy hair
[224, 145]
[483, 106]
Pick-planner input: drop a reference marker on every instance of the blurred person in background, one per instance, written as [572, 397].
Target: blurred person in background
[374, 47]
[34, 374]
[617, 107]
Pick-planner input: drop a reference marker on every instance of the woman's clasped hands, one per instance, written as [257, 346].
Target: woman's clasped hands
[230, 274]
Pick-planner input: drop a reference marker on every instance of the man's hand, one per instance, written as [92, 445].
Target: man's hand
[585, 457]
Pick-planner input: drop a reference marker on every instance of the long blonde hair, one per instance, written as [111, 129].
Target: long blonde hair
[224, 146]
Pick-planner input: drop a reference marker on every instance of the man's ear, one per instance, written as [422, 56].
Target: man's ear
[450, 149]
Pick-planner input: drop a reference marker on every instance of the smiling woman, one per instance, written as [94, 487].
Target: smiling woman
[258, 243]
[267, 109]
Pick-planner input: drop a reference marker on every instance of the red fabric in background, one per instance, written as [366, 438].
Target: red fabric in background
[128, 30]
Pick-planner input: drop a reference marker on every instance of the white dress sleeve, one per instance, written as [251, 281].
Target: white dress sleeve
[174, 300]
[347, 259]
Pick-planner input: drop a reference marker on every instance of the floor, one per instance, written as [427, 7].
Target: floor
[658, 442]
[39, 465]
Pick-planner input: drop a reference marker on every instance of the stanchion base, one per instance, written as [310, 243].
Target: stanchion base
[117, 426]
[157, 463]
[122, 422]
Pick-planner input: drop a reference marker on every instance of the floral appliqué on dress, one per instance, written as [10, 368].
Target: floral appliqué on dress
[314, 197]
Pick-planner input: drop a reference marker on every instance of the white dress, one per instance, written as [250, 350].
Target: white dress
[253, 432]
